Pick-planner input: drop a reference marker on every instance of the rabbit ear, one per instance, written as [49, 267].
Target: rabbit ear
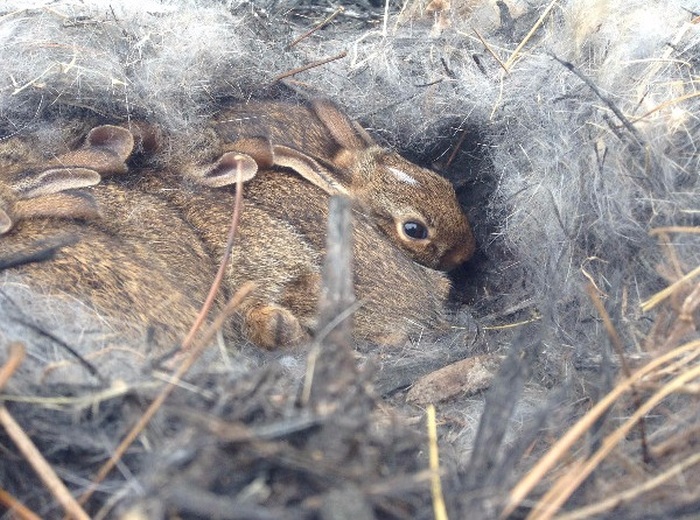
[308, 168]
[66, 204]
[346, 132]
[114, 139]
[258, 148]
[105, 150]
[148, 138]
[31, 184]
[5, 222]
[224, 171]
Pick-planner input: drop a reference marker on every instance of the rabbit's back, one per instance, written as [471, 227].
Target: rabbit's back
[281, 245]
[293, 124]
[140, 266]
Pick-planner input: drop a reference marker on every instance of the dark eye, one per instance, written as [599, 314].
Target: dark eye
[415, 230]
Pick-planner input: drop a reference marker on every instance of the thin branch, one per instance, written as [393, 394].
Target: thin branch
[309, 66]
[318, 26]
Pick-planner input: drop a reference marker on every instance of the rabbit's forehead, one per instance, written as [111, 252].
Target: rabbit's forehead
[402, 175]
[401, 170]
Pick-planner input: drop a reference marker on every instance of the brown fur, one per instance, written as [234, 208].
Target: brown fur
[280, 247]
[140, 266]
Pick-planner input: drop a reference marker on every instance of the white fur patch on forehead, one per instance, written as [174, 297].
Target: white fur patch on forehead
[402, 176]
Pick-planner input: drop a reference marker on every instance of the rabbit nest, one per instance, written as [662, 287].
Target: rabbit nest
[568, 129]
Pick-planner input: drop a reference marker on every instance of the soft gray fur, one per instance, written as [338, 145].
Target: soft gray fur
[568, 190]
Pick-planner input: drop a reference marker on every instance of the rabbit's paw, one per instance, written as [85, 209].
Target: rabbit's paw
[272, 326]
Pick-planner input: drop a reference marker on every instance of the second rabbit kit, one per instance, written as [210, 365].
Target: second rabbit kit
[146, 237]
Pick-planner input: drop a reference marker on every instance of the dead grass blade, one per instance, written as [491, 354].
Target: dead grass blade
[561, 447]
[439, 509]
[632, 493]
[491, 52]
[16, 507]
[550, 503]
[529, 35]
[660, 296]
[16, 352]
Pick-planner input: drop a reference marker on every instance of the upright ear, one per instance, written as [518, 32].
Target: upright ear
[224, 171]
[105, 150]
[31, 184]
[308, 168]
[346, 132]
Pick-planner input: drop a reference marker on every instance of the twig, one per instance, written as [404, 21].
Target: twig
[42, 468]
[612, 106]
[335, 307]
[491, 51]
[338, 293]
[439, 509]
[308, 66]
[16, 507]
[529, 35]
[209, 302]
[318, 26]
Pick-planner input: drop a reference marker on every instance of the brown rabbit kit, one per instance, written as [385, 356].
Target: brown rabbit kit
[132, 258]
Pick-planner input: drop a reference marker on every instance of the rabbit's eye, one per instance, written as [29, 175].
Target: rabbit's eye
[415, 230]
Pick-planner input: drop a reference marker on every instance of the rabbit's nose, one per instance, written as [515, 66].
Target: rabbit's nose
[459, 253]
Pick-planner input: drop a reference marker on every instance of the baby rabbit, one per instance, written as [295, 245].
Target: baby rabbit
[281, 245]
[136, 262]
[416, 208]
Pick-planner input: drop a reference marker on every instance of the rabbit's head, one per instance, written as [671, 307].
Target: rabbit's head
[414, 206]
